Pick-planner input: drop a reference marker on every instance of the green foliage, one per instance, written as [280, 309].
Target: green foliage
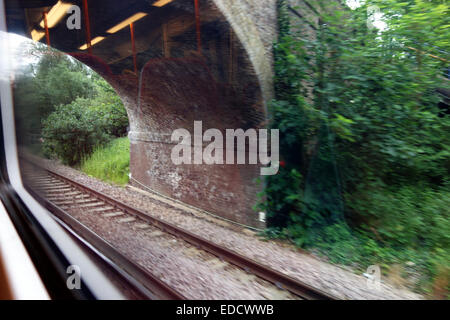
[110, 163]
[72, 131]
[68, 105]
[109, 106]
[27, 116]
[54, 80]
[60, 80]
[411, 216]
[365, 146]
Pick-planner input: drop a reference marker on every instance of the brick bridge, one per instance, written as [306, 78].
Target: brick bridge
[178, 62]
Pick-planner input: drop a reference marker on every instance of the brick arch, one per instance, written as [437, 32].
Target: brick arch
[255, 24]
[172, 92]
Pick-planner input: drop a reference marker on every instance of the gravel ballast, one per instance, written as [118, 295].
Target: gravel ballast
[305, 267]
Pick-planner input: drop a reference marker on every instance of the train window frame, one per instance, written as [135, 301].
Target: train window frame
[19, 277]
[47, 241]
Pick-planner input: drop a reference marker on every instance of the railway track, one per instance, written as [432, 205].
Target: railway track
[62, 194]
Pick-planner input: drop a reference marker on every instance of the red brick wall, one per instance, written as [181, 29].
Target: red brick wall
[221, 87]
[174, 94]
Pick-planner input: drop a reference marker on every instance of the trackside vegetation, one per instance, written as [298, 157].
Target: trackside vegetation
[364, 145]
[64, 109]
[110, 163]
[364, 142]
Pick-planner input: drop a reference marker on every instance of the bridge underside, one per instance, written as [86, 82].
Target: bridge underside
[171, 68]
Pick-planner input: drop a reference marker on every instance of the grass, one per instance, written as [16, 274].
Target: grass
[110, 163]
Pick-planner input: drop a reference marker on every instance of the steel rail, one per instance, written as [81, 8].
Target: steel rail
[281, 280]
[139, 279]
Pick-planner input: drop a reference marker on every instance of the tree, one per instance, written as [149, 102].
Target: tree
[66, 103]
[367, 149]
[72, 131]
[39, 88]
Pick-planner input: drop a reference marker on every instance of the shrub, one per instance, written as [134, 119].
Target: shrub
[109, 106]
[365, 146]
[56, 79]
[72, 131]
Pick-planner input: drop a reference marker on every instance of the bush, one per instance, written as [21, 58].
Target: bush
[110, 163]
[109, 106]
[408, 217]
[364, 144]
[66, 103]
[72, 131]
[56, 79]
